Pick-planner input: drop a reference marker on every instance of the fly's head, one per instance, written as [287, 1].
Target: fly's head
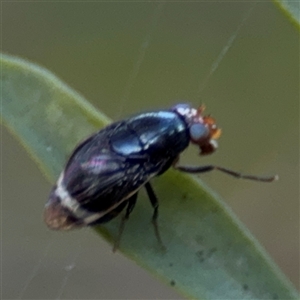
[202, 129]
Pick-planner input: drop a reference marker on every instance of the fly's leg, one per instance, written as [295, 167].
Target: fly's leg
[130, 206]
[154, 202]
[204, 169]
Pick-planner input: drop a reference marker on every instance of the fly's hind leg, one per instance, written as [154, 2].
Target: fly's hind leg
[154, 202]
[129, 208]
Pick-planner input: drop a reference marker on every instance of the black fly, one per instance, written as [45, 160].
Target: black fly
[105, 172]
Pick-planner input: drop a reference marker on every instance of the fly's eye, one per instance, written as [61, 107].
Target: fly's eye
[199, 133]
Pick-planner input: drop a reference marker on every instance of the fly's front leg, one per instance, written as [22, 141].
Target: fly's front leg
[129, 208]
[204, 169]
[154, 202]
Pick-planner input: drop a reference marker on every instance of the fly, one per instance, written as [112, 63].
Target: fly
[106, 171]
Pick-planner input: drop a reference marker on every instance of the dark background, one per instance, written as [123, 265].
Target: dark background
[131, 57]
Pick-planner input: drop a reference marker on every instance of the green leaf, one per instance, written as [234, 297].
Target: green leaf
[291, 9]
[209, 255]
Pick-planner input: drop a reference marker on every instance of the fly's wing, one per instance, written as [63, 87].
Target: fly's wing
[99, 178]
[103, 181]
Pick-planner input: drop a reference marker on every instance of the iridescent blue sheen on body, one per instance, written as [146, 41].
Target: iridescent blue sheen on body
[161, 133]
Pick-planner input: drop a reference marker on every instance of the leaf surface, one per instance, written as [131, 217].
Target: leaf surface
[291, 9]
[210, 255]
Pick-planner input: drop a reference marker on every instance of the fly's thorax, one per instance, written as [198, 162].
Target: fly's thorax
[161, 134]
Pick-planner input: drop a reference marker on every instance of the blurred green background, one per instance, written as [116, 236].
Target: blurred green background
[128, 57]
